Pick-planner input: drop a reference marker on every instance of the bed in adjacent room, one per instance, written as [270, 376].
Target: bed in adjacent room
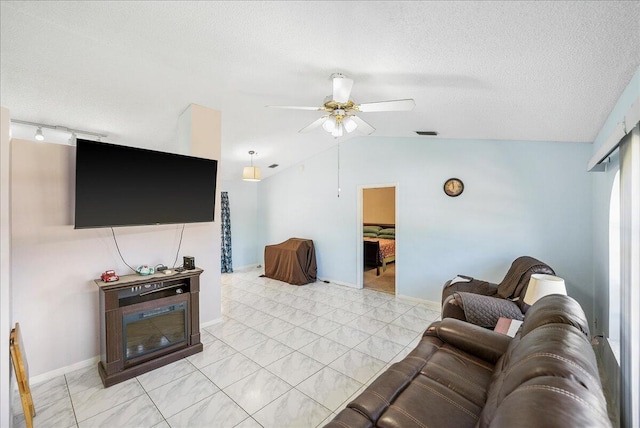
[379, 246]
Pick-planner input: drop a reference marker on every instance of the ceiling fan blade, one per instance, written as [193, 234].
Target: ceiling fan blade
[363, 126]
[342, 89]
[313, 125]
[394, 105]
[299, 108]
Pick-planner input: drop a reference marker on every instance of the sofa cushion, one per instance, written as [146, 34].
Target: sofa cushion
[375, 400]
[428, 400]
[551, 402]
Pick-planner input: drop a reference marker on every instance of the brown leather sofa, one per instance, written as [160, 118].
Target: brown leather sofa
[462, 375]
[482, 303]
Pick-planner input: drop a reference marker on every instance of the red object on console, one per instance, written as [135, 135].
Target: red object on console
[109, 276]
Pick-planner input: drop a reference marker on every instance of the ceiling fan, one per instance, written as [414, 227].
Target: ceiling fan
[342, 110]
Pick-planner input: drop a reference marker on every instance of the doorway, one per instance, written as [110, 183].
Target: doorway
[377, 222]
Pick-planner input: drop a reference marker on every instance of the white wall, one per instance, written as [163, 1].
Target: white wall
[204, 137]
[520, 198]
[243, 204]
[53, 265]
[5, 268]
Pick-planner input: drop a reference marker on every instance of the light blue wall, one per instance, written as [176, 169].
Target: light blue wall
[520, 198]
[602, 182]
[244, 229]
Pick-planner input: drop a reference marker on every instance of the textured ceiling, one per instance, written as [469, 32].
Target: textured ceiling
[485, 70]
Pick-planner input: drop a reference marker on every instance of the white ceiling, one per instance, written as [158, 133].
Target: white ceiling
[485, 70]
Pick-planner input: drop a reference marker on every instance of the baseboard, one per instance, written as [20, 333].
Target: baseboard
[34, 380]
[431, 304]
[333, 281]
[210, 323]
[609, 376]
[246, 267]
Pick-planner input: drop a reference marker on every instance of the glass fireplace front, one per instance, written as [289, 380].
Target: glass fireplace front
[149, 331]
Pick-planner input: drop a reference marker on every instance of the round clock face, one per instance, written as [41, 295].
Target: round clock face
[453, 187]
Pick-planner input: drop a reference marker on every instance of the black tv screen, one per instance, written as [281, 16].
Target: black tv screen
[128, 186]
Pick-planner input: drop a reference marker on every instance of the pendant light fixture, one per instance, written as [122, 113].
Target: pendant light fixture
[251, 173]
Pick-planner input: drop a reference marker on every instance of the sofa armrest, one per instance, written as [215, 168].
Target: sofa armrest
[349, 418]
[486, 310]
[476, 286]
[485, 344]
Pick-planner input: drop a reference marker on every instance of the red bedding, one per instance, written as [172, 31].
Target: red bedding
[387, 247]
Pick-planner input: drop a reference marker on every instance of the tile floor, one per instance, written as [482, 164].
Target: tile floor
[283, 356]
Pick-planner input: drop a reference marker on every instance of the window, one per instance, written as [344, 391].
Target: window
[614, 268]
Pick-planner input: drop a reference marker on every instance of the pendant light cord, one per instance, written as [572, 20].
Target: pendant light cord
[338, 168]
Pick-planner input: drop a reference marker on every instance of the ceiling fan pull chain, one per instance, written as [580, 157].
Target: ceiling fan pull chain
[339, 168]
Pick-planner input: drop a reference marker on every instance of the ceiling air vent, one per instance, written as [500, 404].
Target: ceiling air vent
[275, 165]
[432, 133]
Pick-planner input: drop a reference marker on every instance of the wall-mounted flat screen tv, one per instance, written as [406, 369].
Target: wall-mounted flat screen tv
[127, 186]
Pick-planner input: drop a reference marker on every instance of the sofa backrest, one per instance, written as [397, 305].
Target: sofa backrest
[515, 282]
[550, 364]
[555, 309]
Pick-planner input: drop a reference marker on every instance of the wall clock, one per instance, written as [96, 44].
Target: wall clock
[453, 187]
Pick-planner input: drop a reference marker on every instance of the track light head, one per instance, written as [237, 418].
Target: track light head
[39, 135]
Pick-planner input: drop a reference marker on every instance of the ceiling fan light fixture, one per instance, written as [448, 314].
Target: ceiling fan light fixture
[329, 125]
[349, 124]
[338, 130]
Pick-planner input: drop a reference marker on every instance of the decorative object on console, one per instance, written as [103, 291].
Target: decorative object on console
[188, 262]
[109, 276]
[541, 285]
[251, 173]
[145, 270]
[453, 187]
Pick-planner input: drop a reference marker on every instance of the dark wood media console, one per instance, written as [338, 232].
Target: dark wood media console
[147, 322]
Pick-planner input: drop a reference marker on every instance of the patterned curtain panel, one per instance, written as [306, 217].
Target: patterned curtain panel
[226, 264]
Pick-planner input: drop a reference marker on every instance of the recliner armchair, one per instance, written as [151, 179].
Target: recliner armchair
[482, 303]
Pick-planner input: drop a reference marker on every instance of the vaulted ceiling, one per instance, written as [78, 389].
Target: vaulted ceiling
[485, 70]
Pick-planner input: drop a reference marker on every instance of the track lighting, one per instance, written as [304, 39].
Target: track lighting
[39, 135]
[73, 132]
